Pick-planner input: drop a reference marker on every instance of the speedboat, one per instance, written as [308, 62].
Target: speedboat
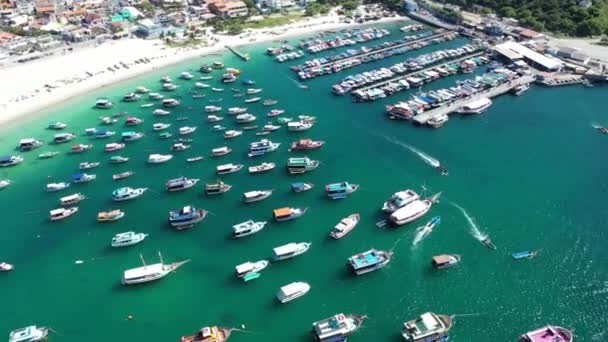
[270, 127]
[410, 212]
[195, 159]
[57, 125]
[127, 239]
[232, 134]
[187, 130]
[428, 327]
[290, 250]
[61, 213]
[181, 183]
[146, 105]
[159, 158]
[245, 270]
[336, 328]
[6, 267]
[131, 136]
[237, 110]
[122, 175]
[29, 144]
[549, 333]
[287, 213]
[264, 167]
[201, 85]
[63, 137]
[131, 97]
[217, 128]
[133, 121]
[6, 161]
[340, 190]
[79, 148]
[246, 228]
[369, 261]
[214, 118]
[221, 151]
[445, 260]
[276, 112]
[307, 144]
[345, 226]
[127, 193]
[109, 216]
[170, 103]
[29, 334]
[118, 159]
[253, 99]
[301, 187]
[292, 291]
[217, 89]
[252, 91]
[169, 86]
[525, 254]
[51, 187]
[82, 178]
[186, 217]
[111, 147]
[399, 200]
[4, 183]
[212, 109]
[103, 104]
[147, 273]
[217, 187]
[256, 195]
[488, 243]
[206, 78]
[298, 126]
[160, 126]
[186, 75]
[161, 112]
[179, 147]
[228, 168]
[245, 118]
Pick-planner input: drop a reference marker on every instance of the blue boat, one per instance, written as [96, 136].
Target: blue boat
[82, 178]
[186, 217]
[248, 82]
[525, 254]
[301, 186]
[369, 261]
[340, 190]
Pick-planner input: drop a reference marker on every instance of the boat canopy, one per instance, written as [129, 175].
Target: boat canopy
[441, 259]
[292, 289]
[280, 212]
[286, 249]
[140, 272]
[365, 259]
[244, 268]
[70, 198]
[56, 212]
[337, 187]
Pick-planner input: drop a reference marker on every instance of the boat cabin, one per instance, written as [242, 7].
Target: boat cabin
[282, 213]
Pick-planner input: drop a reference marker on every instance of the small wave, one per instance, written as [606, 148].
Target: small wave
[475, 231]
[425, 157]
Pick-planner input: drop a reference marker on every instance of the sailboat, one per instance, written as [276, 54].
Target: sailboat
[147, 273]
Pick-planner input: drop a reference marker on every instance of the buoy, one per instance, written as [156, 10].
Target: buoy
[242, 326]
[78, 262]
[130, 317]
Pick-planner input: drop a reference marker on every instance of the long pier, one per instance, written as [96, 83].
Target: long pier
[452, 107]
[404, 44]
[410, 74]
[244, 56]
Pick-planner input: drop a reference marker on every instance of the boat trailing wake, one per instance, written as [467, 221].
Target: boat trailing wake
[421, 233]
[425, 157]
[475, 231]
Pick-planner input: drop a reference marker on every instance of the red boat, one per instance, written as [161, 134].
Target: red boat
[602, 129]
[306, 144]
[133, 121]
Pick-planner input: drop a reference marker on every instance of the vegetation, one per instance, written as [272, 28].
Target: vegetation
[185, 43]
[558, 16]
[273, 20]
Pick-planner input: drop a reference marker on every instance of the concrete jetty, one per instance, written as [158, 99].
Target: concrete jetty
[243, 56]
[490, 93]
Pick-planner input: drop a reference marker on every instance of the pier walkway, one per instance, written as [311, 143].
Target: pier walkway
[415, 72]
[404, 44]
[450, 108]
[244, 56]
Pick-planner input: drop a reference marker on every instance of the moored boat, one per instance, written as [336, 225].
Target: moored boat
[217, 187]
[133, 121]
[181, 183]
[29, 144]
[340, 190]
[168, 103]
[264, 167]
[111, 147]
[122, 175]
[221, 151]
[525, 254]
[187, 130]
[445, 260]
[109, 216]
[549, 333]
[244, 118]
[4, 183]
[127, 193]
[287, 213]
[292, 291]
[161, 112]
[259, 148]
[71, 199]
[212, 109]
[131, 97]
[127, 239]
[103, 104]
[345, 226]
[232, 134]
[245, 269]
[179, 147]
[83, 177]
[159, 158]
[237, 110]
[6, 267]
[131, 136]
[369, 261]
[29, 334]
[256, 195]
[62, 213]
[63, 137]
[228, 168]
[399, 200]
[186, 217]
[253, 99]
[209, 334]
[301, 187]
[307, 144]
[336, 328]
[103, 133]
[47, 155]
[410, 212]
[118, 159]
[147, 273]
[6, 161]
[475, 107]
[160, 126]
[270, 102]
[195, 159]
[246, 228]
[88, 165]
[301, 165]
[57, 186]
[57, 125]
[299, 126]
[214, 118]
[290, 250]
[428, 327]
[79, 148]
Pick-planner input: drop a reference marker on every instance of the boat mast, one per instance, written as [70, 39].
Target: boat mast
[161, 258]
[142, 260]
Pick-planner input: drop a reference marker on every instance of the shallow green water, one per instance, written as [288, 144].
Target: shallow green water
[530, 172]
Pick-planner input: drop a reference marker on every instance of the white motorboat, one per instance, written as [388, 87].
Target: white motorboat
[147, 273]
[159, 158]
[29, 144]
[264, 167]
[256, 195]
[253, 99]
[411, 212]
[127, 239]
[251, 91]
[270, 127]
[247, 228]
[83, 178]
[170, 103]
[29, 334]
[475, 107]
[221, 151]
[61, 213]
[298, 126]
[228, 168]
[187, 130]
[181, 183]
[345, 226]
[290, 250]
[111, 147]
[160, 126]
[88, 165]
[72, 199]
[214, 118]
[245, 118]
[232, 134]
[217, 128]
[127, 193]
[161, 112]
[6, 267]
[219, 90]
[292, 291]
[169, 86]
[201, 85]
[186, 75]
[6, 161]
[247, 268]
[212, 109]
[4, 183]
[399, 200]
[237, 110]
[57, 186]
[438, 121]
[155, 96]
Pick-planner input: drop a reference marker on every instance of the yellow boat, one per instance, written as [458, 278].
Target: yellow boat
[108, 216]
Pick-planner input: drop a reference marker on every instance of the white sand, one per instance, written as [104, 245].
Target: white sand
[23, 91]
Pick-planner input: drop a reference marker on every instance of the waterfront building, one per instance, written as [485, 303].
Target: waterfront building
[228, 8]
[514, 51]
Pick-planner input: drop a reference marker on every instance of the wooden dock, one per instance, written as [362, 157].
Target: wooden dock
[244, 56]
[452, 107]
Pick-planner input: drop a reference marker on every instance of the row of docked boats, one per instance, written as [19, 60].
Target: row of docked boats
[350, 38]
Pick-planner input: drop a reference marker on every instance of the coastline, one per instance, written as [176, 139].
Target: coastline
[89, 71]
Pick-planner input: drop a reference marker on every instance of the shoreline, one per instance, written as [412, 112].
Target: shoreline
[91, 72]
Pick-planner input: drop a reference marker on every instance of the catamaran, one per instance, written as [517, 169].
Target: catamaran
[428, 327]
[246, 228]
[186, 217]
[181, 183]
[127, 239]
[147, 273]
[369, 261]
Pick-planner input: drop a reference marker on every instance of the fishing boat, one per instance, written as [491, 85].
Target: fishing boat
[82, 178]
[256, 195]
[488, 243]
[181, 183]
[369, 261]
[179, 147]
[428, 327]
[118, 159]
[209, 334]
[187, 130]
[161, 112]
[61, 213]
[131, 136]
[72, 199]
[216, 188]
[195, 159]
[264, 167]
[228, 168]
[218, 128]
[169, 86]
[109, 216]
[214, 118]
[301, 187]
[399, 200]
[287, 213]
[57, 125]
[212, 109]
[251, 91]
[127, 193]
[127, 239]
[298, 126]
[290, 250]
[525, 254]
[340, 190]
[253, 99]
[336, 328]
[275, 112]
[345, 226]
[301, 165]
[237, 110]
[29, 144]
[307, 144]
[133, 121]
[131, 97]
[52, 187]
[88, 165]
[155, 96]
[410, 212]
[147, 273]
[245, 118]
[111, 147]
[159, 158]
[270, 102]
[122, 175]
[168, 103]
[103, 104]
[445, 261]
[292, 291]
[221, 151]
[63, 137]
[245, 269]
[6, 161]
[186, 217]
[186, 75]
[475, 107]
[232, 134]
[4, 183]
[47, 155]
[6, 267]
[247, 228]
[549, 333]
[79, 148]
[29, 334]
[103, 133]
[259, 148]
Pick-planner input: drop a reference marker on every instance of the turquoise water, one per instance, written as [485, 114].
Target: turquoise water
[529, 172]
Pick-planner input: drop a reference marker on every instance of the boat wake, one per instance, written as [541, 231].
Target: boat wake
[425, 157]
[300, 85]
[421, 233]
[475, 231]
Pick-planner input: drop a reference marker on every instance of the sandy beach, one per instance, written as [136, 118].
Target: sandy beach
[42, 83]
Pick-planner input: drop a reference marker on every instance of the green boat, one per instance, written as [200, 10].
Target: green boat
[47, 155]
[165, 135]
[282, 121]
[251, 276]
